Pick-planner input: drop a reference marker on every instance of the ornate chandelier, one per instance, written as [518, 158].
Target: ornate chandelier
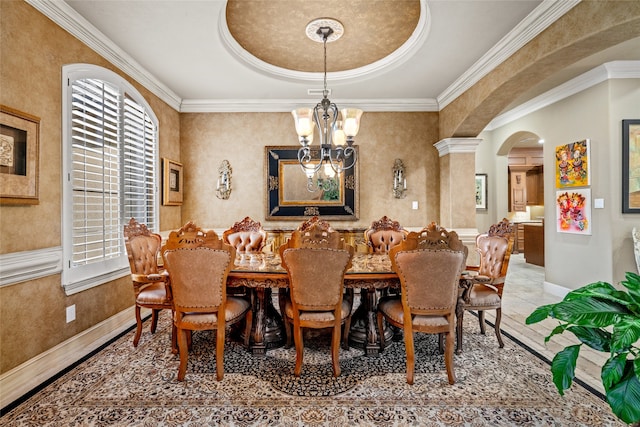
[336, 132]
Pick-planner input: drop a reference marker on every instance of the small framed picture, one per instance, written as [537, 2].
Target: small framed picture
[631, 166]
[19, 152]
[481, 191]
[573, 164]
[172, 181]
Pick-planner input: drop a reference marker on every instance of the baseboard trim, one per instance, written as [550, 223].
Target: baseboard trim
[28, 376]
[557, 290]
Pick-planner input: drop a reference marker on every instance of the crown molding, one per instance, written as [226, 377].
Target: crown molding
[607, 71]
[545, 14]
[287, 105]
[537, 21]
[457, 145]
[71, 21]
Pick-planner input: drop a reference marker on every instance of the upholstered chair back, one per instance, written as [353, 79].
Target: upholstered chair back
[494, 248]
[316, 276]
[190, 255]
[188, 267]
[494, 252]
[429, 278]
[143, 248]
[247, 236]
[383, 235]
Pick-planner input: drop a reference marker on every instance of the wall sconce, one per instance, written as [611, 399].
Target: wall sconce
[399, 180]
[223, 187]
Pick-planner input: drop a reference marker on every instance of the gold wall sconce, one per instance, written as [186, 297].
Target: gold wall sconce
[399, 180]
[223, 187]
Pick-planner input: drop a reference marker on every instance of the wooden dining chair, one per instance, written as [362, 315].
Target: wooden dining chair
[428, 265]
[198, 263]
[485, 283]
[246, 236]
[384, 234]
[150, 284]
[316, 261]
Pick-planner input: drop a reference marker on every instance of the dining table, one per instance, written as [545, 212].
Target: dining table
[262, 273]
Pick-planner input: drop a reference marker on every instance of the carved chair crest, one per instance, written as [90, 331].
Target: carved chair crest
[386, 223]
[503, 229]
[315, 222]
[190, 235]
[435, 237]
[247, 224]
[134, 229]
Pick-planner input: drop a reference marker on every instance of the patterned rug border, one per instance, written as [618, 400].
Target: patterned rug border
[13, 405]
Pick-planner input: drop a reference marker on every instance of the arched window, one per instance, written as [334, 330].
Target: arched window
[110, 173]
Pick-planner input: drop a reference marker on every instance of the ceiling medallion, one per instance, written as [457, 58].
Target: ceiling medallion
[314, 26]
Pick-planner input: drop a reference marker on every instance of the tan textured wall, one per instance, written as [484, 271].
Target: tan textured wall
[32, 52]
[209, 138]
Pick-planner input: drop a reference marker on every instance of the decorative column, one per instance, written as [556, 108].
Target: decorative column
[458, 189]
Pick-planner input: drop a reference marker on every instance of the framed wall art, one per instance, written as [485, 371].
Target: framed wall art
[573, 211]
[172, 181]
[481, 191]
[289, 198]
[19, 157]
[573, 164]
[631, 166]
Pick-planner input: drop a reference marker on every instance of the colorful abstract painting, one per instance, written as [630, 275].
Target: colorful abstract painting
[572, 164]
[573, 211]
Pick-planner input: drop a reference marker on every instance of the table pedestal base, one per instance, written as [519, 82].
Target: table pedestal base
[267, 330]
[364, 330]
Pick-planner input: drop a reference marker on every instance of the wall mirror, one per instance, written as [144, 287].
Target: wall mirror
[287, 195]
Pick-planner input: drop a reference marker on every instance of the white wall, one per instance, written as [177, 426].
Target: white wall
[596, 113]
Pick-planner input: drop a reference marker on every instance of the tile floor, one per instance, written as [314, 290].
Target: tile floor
[523, 292]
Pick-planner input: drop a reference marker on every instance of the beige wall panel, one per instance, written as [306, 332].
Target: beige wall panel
[209, 138]
[44, 302]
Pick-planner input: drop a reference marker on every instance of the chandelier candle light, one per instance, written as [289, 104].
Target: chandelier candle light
[336, 133]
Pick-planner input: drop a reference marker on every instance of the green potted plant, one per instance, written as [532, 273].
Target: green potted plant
[608, 320]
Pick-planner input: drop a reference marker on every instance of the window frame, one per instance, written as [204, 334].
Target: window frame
[77, 278]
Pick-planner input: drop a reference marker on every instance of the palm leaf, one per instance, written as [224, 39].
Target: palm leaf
[539, 314]
[624, 396]
[596, 338]
[612, 370]
[601, 290]
[633, 285]
[563, 367]
[588, 311]
[625, 333]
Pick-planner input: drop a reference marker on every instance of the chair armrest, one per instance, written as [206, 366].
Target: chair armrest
[149, 278]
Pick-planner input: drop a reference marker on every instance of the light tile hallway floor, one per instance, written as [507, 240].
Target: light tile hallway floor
[523, 292]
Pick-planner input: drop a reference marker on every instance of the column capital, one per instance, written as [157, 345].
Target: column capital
[457, 145]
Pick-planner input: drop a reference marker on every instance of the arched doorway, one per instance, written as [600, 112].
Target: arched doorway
[525, 183]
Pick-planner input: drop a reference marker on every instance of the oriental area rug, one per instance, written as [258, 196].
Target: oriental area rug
[125, 386]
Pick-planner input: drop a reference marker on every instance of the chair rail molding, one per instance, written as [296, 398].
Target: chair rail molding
[19, 267]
